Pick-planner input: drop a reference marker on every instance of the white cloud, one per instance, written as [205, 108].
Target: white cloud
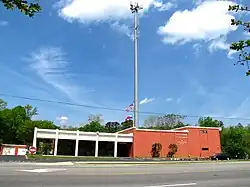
[218, 44]
[221, 44]
[179, 100]
[4, 23]
[99, 10]
[197, 2]
[122, 28]
[197, 48]
[247, 34]
[169, 99]
[51, 65]
[231, 53]
[114, 12]
[146, 101]
[64, 118]
[164, 6]
[209, 20]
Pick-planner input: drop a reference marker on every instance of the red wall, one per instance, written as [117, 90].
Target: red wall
[144, 139]
[199, 138]
[127, 131]
[189, 143]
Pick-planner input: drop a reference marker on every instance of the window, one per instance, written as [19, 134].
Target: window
[204, 131]
[204, 149]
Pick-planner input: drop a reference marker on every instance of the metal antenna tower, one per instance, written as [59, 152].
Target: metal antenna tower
[134, 7]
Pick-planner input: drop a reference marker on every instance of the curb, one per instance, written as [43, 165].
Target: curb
[161, 163]
[86, 163]
[142, 163]
[40, 163]
[53, 164]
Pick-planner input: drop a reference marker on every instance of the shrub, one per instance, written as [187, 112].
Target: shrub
[45, 148]
[156, 149]
[173, 148]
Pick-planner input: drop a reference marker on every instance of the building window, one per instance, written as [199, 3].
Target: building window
[204, 131]
[204, 149]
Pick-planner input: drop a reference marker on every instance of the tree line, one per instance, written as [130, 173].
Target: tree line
[17, 127]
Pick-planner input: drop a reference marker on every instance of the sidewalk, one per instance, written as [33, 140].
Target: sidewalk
[104, 163]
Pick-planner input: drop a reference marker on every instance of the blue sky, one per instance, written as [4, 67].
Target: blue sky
[81, 52]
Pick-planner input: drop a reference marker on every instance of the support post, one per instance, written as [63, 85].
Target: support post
[116, 145]
[77, 143]
[96, 144]
[56, 142]
[35, 137]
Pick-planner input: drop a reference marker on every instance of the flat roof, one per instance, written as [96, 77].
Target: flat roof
[172, 130]
[157, 130]
[82, 135]
[153, 130]
[198, 127]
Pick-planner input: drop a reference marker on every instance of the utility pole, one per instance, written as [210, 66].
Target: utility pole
[134, 7]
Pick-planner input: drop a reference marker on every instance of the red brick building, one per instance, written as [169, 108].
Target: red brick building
[191, 141]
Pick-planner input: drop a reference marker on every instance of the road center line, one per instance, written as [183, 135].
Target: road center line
[173, 185]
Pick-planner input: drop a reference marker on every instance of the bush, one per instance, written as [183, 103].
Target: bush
[156, 149]
[173, 148]
[45, 148]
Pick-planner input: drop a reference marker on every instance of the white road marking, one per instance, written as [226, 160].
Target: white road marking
[42, 170]
[174, 185]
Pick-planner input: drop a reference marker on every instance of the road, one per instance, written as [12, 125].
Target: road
[215, 174]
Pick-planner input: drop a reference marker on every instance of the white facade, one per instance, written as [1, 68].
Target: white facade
[57, 134]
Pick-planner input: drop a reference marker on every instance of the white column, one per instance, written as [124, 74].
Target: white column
[35, 137]
[96, 144]
[115, 146]
[77, 143]
[56, 142]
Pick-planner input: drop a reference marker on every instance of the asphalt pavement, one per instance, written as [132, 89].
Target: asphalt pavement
[216, 174]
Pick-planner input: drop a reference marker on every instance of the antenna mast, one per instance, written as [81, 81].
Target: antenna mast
[134, 7]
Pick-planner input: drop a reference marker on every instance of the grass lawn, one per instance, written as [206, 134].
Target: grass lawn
[51, 157]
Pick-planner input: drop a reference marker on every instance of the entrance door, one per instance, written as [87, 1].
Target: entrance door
[205, 152]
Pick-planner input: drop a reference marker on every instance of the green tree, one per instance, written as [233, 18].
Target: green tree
[112, 127]
[93, 126]
[25, 131]
[17, 126]
[150, 122]
[71, 128]
[209, 122]
[10, 120]
[166, 122]
[242, 46]
[45, 147]
[6, 126]
[97, 118]
[28, 8]
[126, 124]
[30, 111]
[3, 104]
[235, 142]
